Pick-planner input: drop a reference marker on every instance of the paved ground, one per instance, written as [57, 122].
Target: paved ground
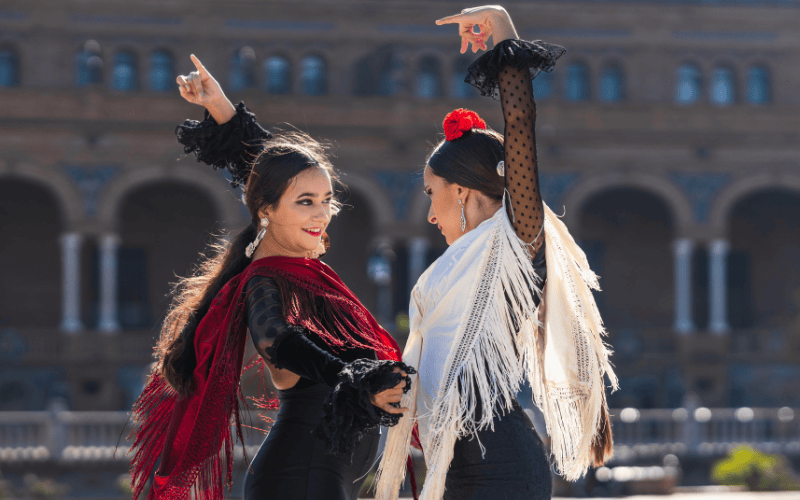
[712, 495]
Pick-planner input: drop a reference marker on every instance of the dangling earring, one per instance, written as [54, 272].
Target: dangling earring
[252, 246]
[463, 218]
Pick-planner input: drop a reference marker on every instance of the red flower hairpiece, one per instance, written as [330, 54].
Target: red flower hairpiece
[459, 121]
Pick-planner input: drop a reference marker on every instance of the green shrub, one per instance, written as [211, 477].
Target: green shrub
[745, 466]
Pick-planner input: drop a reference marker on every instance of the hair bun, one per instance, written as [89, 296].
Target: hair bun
[459, 121]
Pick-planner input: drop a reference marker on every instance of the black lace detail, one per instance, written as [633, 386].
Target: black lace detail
[272, 350]
[536, 56]
[348, 413]
[234, 145]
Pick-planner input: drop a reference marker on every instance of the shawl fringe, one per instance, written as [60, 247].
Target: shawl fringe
[193, 436]
[498, 345]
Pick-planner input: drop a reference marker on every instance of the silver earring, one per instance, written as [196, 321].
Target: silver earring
[251, 248]
[463, 218]
[501, 168]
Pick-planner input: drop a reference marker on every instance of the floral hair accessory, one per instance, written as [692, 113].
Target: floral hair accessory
[459, 121]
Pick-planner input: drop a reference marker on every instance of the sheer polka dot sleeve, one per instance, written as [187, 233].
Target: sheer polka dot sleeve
[505, 73]
[522, 176]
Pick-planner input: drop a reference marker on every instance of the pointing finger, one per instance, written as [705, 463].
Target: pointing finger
[457, 18]
[197, 64]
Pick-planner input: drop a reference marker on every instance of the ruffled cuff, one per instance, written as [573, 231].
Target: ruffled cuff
[537, 56]
[234, 145]
[347, 413]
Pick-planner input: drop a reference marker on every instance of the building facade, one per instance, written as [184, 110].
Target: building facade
[667, 135]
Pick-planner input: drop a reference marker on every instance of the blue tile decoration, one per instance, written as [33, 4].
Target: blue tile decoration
[401, 187]
[91, 181]
[272, 25]
[125, 19]
[743, 36]
[701, 188]
[414, 29]
[7, 15]
[577, 33]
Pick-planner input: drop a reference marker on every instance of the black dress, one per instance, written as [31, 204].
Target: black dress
[292, 463]
[513, 464]
[297, 460]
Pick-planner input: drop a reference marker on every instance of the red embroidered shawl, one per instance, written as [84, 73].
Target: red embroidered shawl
[193, 434]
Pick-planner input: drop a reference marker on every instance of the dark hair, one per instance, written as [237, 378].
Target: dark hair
[282, 159]
[471, 161]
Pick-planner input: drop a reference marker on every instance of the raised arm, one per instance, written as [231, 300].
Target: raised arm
[229, 136]
[521, 169]
[505, 73]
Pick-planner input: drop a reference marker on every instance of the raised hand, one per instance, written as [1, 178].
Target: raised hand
[492, 20]
[199, 87]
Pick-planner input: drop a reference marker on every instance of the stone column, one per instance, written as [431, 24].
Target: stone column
[71, 282]
[682, 249]
[109, 270]
[718, 286]
[417, 259]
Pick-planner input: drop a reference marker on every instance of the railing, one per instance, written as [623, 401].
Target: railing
[93, 436]
[704, 431]
[71, 436]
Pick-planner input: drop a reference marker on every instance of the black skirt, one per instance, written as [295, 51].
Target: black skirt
[291, 463]
[514, 466]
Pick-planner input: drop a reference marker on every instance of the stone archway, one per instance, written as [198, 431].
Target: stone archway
[30, 256]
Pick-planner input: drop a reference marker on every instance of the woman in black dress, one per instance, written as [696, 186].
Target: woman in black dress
[478, 330]
[337, 371]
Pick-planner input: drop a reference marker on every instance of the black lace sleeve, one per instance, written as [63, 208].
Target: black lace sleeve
[234, 145]
[347, 411]
[536, 56]
[507, 70]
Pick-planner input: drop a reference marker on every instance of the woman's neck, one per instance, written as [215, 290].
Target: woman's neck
[268, 248]
[482, 209]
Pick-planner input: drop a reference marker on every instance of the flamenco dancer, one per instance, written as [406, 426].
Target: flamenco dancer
[337, 371]
[478, 325]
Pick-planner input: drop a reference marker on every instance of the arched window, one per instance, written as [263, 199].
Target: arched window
[687, 85]
[577, 83]
[9, 68]
[277, 75]
[460, 89]
[162, 71]
[722, 90]
[612, 84]
[88, 65]
[758, 85]
[392, 74]
[243, 69]
[124, 75]
[313, 76]
[429, 79]
[364, 78]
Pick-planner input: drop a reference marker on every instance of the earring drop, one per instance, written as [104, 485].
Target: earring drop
[463, 218]
[251, 248]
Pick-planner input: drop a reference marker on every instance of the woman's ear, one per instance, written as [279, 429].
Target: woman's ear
[463, 193]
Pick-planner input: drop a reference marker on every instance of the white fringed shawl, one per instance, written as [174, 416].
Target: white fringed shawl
[463, 344]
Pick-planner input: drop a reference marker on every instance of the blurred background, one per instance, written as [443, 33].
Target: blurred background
[667, 135]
